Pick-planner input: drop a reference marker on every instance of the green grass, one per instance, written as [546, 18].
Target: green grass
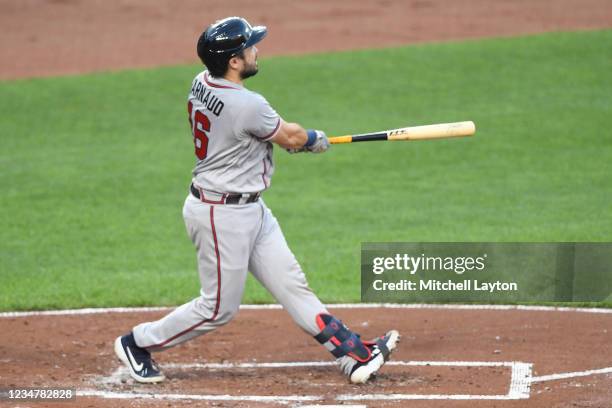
[95, 168]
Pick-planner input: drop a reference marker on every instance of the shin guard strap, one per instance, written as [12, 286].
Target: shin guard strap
[382, 346]
[332, 326]
[347, 346]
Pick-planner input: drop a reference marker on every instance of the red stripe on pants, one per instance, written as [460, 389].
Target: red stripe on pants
[218, 301]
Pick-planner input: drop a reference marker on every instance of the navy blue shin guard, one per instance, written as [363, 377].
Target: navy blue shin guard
[344, 341]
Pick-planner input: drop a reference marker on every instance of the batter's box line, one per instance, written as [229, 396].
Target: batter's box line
[279, 399]
[520, 382]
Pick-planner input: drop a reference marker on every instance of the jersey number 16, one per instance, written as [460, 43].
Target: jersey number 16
[199, 126]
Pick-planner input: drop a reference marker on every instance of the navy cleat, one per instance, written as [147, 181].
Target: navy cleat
[141, 366]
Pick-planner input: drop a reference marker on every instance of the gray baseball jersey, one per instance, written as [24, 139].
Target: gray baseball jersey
[232, 126]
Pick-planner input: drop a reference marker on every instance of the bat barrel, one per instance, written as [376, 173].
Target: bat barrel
[438, 131]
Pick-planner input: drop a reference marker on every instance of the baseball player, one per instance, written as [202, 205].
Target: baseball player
[233, 230]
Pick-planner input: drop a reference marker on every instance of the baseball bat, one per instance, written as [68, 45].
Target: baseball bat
[437, 131]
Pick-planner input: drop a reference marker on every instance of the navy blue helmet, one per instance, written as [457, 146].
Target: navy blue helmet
[224, 40]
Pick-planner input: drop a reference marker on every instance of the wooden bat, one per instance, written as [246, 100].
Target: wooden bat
[438, 131]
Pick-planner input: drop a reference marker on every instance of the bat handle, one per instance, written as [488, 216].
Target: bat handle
[340, 139]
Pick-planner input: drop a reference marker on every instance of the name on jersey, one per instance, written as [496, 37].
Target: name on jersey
[203, 94]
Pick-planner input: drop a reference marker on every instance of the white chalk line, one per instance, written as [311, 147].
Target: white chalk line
[518, 388]
[115, 377]
[562, 376]
[398, 397]
[520, 380]
[199, 397]
[519, 383]
[332, 406]
[294, 364]
[103, 310]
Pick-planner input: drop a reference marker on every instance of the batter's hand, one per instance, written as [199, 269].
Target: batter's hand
[321, 143]
[317, 143]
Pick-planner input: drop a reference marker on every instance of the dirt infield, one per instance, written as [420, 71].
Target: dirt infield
[55, 37]
[447, 358]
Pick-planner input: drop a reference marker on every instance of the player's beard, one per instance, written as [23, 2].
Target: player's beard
[249, 71]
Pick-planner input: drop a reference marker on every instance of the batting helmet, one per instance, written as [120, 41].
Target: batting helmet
[224, 40]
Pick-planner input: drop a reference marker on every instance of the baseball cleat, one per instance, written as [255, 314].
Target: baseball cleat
[141, 366]
[380, 350]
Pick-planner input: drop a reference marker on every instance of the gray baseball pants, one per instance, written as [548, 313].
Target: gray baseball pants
[231, 240]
